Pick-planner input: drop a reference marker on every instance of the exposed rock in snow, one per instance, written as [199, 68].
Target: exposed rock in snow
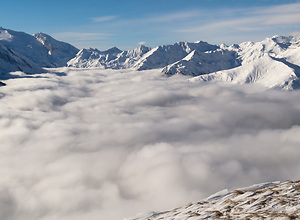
[109, 59]
[262, 201]
[87, 58]
[59, 53]
[162, 56]
[128, 58]
[271, 63]
[198, 63]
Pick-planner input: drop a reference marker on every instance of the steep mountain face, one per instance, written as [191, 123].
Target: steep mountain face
[263, 201]
[162, 56]
[198, 63]
[11, 61]
[59, 53]
[40, 48]
[273, 62]
[87, 58]
[113, 58]
[128, 58]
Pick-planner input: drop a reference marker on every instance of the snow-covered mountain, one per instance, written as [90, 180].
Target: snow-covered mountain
[113, 58]
[162, 56]
[87, 58]
[59, 53]
[272, 200]
[273, 62]
[198, 63]
[11, 61]
[40, 48]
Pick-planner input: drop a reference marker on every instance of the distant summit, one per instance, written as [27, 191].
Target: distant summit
[59, 53]
[40, 48]
[112, 58]
[273, 62]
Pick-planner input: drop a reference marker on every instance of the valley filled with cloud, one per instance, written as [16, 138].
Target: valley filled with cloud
[108, 144]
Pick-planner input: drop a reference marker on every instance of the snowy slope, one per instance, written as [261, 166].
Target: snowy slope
[273, 62]
[262, 201]
[59, 53]
[11, 61]
[40, 48]
[109, 59]
[87, 58]
[128, 58]
[140, 58]
[198, 63]
[162, 56]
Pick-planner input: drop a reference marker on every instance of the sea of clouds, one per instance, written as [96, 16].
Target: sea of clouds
[106, 144]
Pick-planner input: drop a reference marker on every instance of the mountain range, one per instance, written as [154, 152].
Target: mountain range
[273, 200]
[273, 62]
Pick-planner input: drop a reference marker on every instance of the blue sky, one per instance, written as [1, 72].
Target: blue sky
[126, 24]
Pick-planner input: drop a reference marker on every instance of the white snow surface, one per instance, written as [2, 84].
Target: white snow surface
[113, 58]
[40, 48]
[4, 35]
[59, 53]
[273, 62]
[107, 144]
[197, 63]
[11, 61]
[263, 201]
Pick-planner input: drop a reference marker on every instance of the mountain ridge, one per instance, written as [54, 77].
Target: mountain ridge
[273, 62]
[272, 200]
[40, 48]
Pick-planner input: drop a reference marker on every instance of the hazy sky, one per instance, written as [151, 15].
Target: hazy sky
[125, 24]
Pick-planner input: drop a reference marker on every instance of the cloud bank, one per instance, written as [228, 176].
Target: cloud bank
[104, 144]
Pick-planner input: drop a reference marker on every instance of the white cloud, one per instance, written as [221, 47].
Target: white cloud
[103, 19]
[142, 42]
[104, 144]
[81, 35]
[249, 22]
[177, 16]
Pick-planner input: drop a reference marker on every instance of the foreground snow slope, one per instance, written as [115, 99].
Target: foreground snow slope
[262, 201]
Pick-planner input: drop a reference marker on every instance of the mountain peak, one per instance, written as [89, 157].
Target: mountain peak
[5, 35]
[112, 50]
[40, 48]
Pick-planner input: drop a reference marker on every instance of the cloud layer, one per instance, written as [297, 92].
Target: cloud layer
[98, 144]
